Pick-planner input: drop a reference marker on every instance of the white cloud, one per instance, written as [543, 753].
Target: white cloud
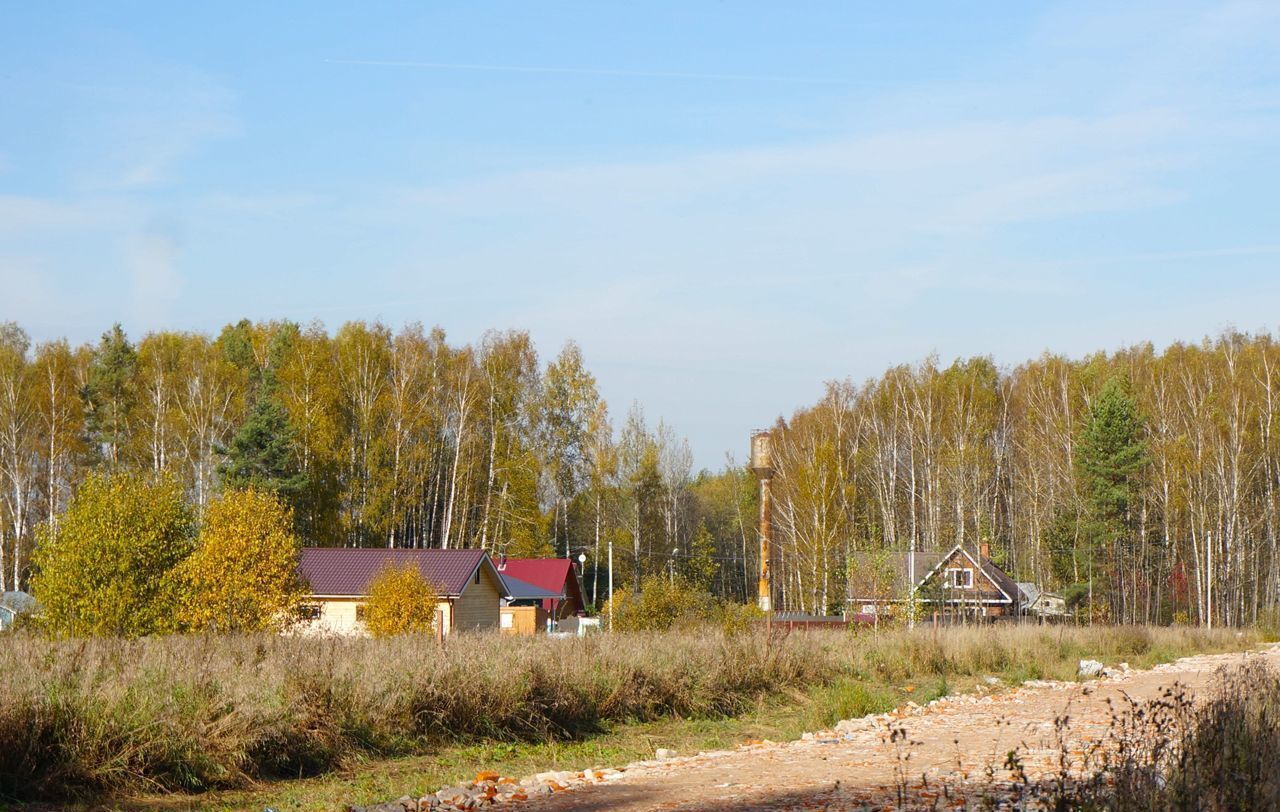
[1058, 194]
[971, 175]
[151, 259]
[28, 216]
[265, 205]
[23, 288]
[137, 135]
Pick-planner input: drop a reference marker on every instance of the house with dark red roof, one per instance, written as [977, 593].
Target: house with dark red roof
[468, 589]
[551, 583]
[955, 583]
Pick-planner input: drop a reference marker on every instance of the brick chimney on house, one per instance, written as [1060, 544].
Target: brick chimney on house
[985, 549]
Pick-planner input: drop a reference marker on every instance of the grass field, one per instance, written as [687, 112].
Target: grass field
[235, 722]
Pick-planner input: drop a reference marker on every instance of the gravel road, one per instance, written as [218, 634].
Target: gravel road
[959, 742]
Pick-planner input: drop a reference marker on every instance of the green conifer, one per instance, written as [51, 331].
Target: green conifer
[260, 454]
[1112, 454]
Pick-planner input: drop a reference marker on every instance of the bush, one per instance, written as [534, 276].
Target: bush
[666, 603]
[401, 601]
[106, 567]
[736, 618]
[1178, 753]
[660, 604]
[243, 574]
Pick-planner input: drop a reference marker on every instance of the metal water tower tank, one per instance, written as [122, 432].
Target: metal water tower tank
[761, 454]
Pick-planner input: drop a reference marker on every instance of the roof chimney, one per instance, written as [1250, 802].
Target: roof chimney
[502, 563]
[985, 549]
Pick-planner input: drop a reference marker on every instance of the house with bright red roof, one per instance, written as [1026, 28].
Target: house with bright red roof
[551, 583]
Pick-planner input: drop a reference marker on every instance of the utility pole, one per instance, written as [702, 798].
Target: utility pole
[1208, 581]
[911, 585]
[762, 467]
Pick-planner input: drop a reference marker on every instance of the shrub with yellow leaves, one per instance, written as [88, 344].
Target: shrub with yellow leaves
[401, 601]
[106, 566]
[243, 574]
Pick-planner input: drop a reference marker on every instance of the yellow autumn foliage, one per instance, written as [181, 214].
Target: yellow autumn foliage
[106, 567]
[401, 601]
[243, 574]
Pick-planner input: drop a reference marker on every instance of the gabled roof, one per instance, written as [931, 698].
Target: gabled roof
[555, 575]
[927, 564]
[987, 567]
[897, 566]
[347, 572]
[1001, 579]
[523, 590]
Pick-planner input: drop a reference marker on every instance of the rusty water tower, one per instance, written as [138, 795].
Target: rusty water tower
[762, 467]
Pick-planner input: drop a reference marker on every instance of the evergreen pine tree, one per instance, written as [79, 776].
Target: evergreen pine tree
[1112, 455]
[260, 454]
[109, 395]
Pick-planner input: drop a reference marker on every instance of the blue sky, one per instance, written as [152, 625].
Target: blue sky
[725, 204]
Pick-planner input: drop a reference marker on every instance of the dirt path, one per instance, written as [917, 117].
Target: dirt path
[956, 740]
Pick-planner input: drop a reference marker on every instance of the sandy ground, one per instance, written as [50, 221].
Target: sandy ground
[956, 742]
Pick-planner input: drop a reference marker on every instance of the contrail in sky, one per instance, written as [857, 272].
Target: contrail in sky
[710, 77]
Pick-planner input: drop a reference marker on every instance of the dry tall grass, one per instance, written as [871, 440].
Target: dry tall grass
[1181, 752]
[91, 717]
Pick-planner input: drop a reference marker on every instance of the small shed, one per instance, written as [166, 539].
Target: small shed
[523, 620]
[1041, 604]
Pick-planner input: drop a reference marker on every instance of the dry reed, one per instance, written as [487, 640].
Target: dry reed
[81, 718]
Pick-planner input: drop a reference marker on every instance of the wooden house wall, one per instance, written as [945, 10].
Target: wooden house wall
[478, 606]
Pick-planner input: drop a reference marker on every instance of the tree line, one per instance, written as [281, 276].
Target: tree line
[371, 437]
[1144, 484]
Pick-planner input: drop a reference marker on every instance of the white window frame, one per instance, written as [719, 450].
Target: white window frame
[953, 582]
